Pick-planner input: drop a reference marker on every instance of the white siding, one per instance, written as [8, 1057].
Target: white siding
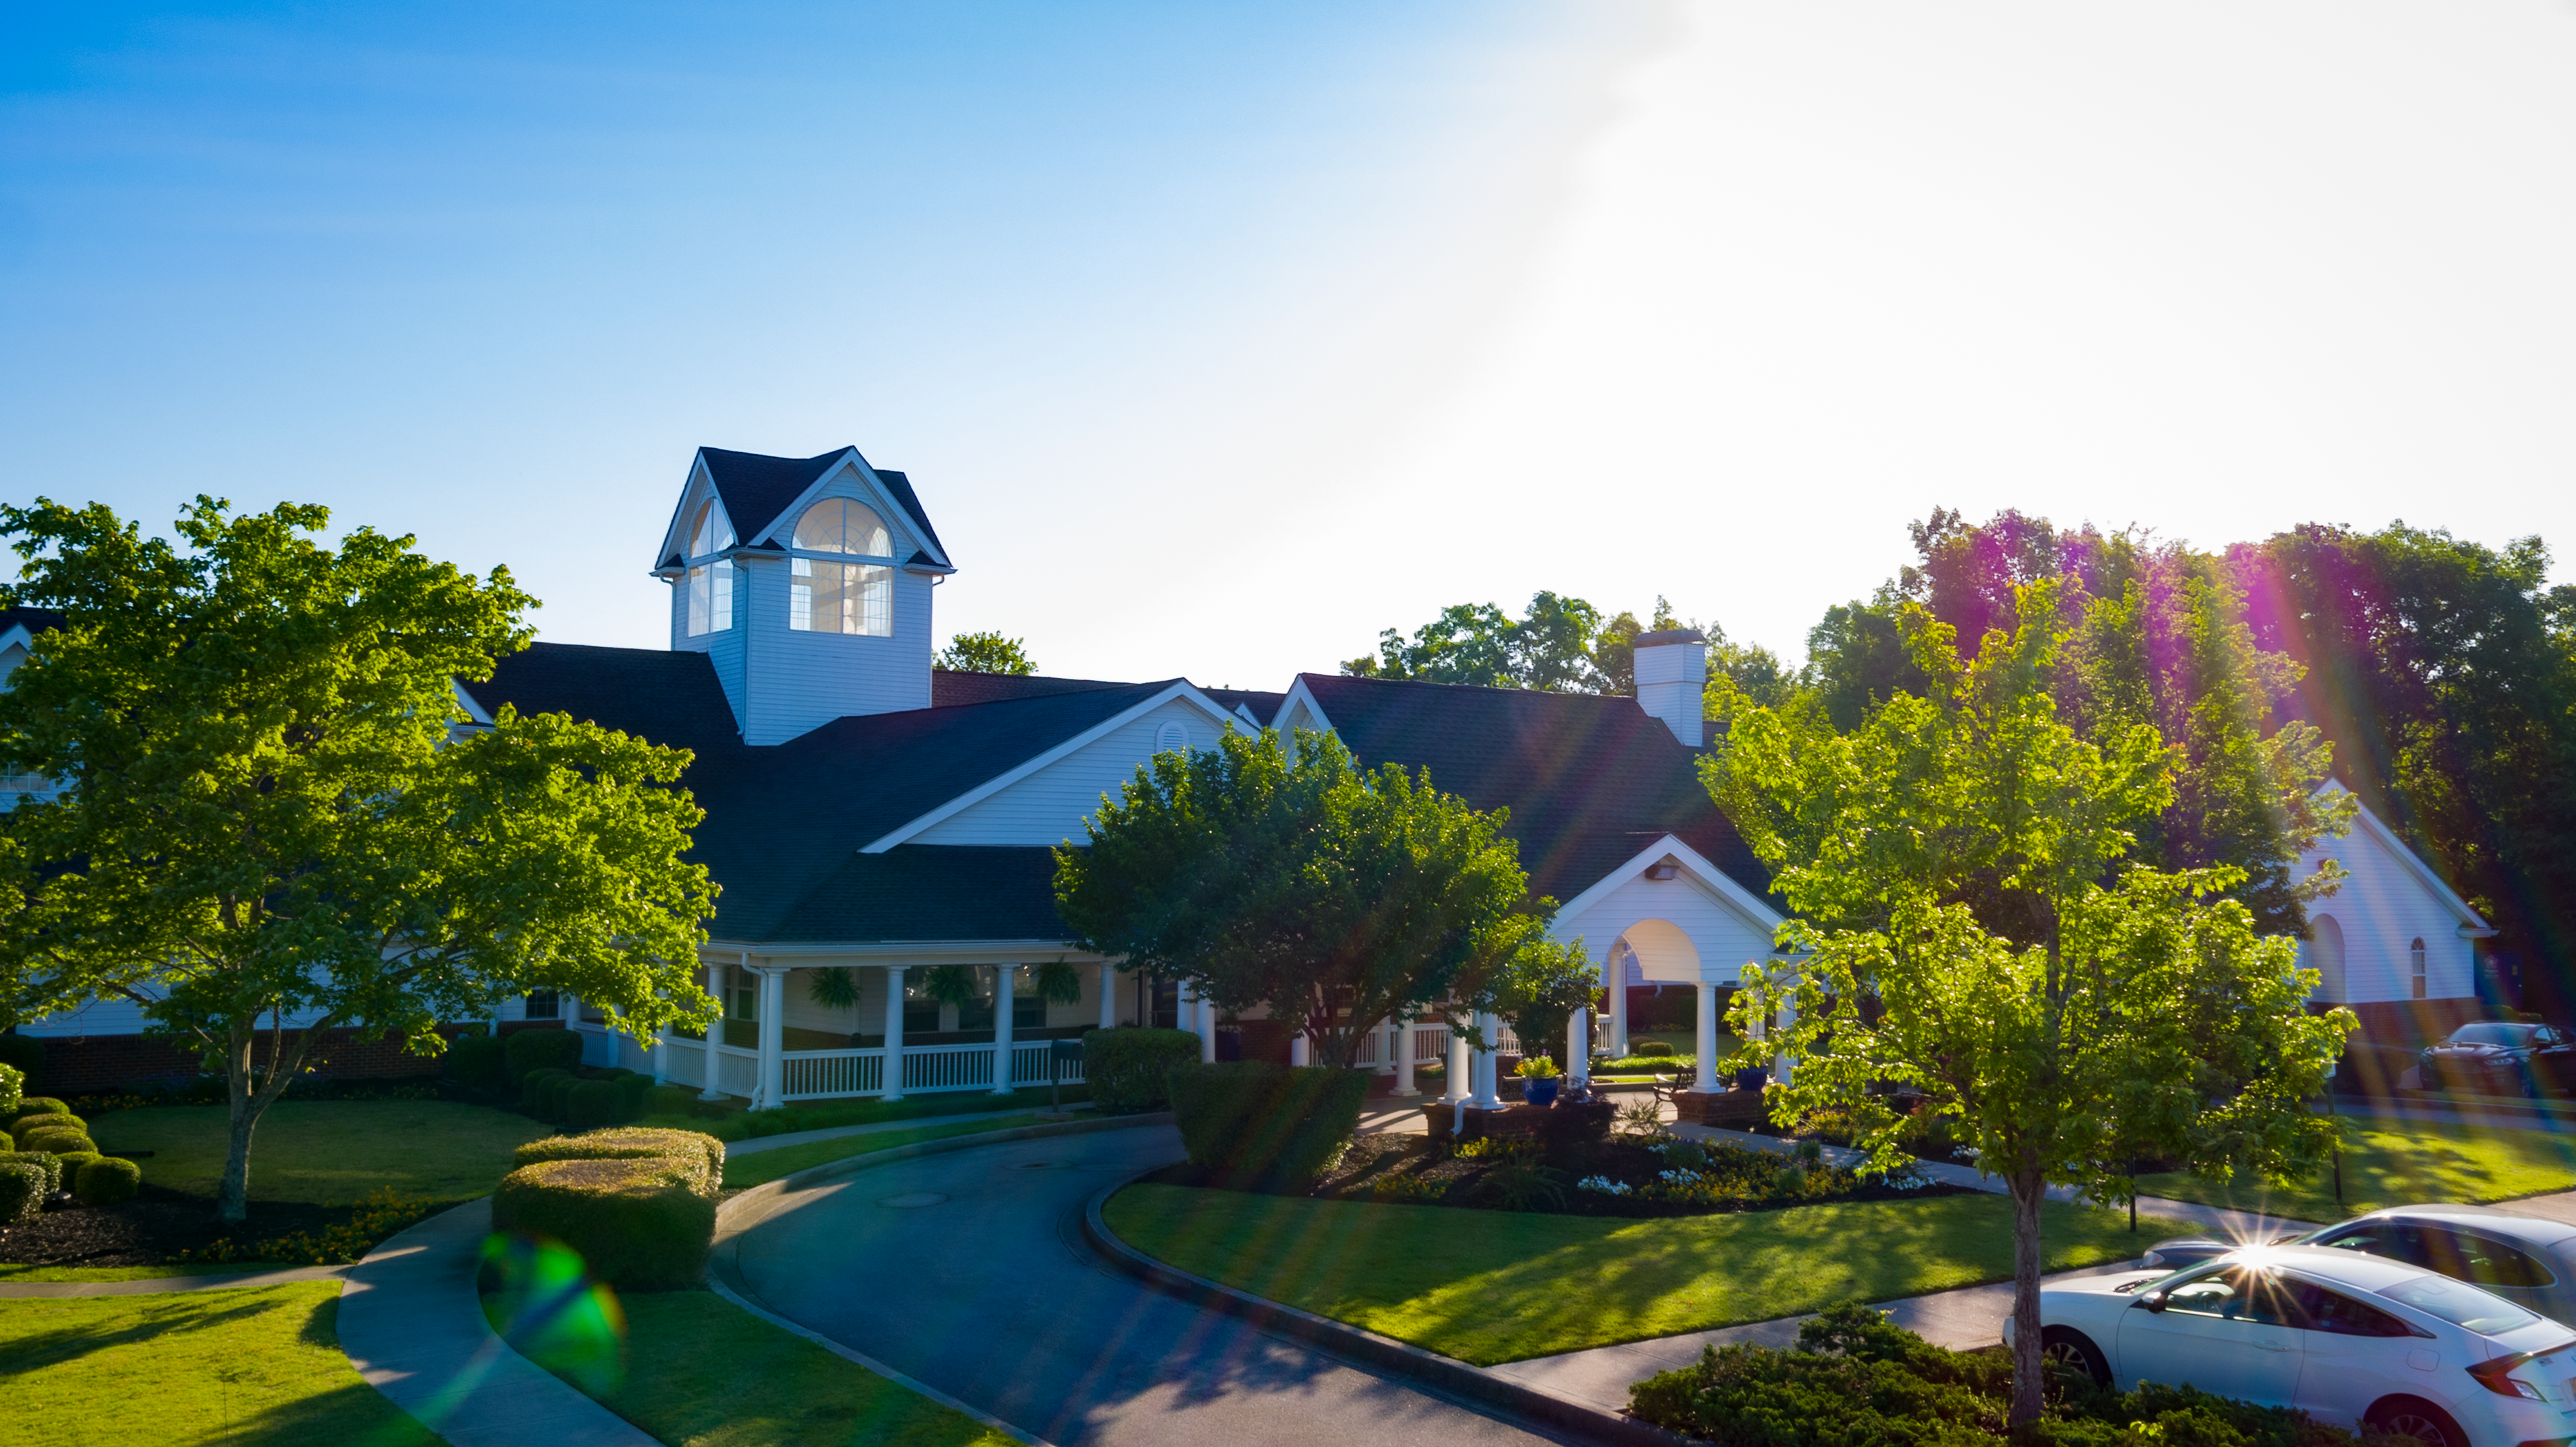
[1724, 936]
[1049, 806]
[2382, 908]
[798, 681]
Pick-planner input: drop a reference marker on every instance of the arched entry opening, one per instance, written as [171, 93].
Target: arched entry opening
[1662, 955]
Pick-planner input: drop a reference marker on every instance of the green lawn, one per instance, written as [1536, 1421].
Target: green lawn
[328, 1152]
[13, 1271]
[1498, 1286]
[753, 1170]
[259, 1365]
[2399, 1163]
[698, 1372]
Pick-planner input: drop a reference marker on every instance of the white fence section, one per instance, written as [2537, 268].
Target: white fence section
[820, 1074]
[1029, 1066]
[1431, 1043]
[688, 1063]
[737, 1070]
[948, 1067]
[598, 1047]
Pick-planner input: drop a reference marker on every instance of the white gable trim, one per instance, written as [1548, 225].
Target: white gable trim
[898, 521]
[18, 636]
[1299, 693]
[1182, 690]
[700, 486]
[473, 711]
[1696, 868]
[2471, 924]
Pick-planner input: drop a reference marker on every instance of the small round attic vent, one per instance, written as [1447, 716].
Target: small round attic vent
[1171, 736]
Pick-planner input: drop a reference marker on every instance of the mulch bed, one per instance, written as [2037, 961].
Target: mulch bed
[150, 1230]
[1373, 1158]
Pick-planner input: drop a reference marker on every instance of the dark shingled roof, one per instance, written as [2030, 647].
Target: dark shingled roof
[756, 488]
[930, 892]
[1590, 780]
[951, 689]
[38, 620]
[785, 822]
[1264, 706]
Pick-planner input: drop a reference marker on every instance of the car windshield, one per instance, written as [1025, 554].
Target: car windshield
[2493, 1034]
[2460, 1304]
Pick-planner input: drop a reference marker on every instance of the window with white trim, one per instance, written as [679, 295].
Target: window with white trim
[710, 582]
[836, 597]
[2415, 967]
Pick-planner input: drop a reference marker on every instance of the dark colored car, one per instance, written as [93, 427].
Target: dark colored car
[2500, 1057]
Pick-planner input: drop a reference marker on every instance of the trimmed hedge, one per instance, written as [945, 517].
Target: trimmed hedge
[638, 1224]
[533, 1088]
[526, 1050]
[557, 1096]
[670, 1100]
[34, 1124]
[627, 1143]
[38, 1105]
[106, 1181]
[69, 1165]
[51, 1165]
[1258, 1124]
[22, 1190]
[56, 1142]
[475, 1061]
[23, 1053]
[1126, 1067]
[593, 1103]
[13, 1087]
[631, 1090]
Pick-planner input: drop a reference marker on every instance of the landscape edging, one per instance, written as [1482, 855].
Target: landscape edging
[1383, 1352]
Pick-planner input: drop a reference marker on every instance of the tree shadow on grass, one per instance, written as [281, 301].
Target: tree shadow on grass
[2421, 1165]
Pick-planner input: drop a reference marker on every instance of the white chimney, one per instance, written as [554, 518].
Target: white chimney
[1672, 674]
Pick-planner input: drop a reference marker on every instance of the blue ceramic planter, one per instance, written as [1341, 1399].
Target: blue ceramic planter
[1539, 1092]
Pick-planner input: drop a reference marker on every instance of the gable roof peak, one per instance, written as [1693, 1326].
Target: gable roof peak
[757, 489]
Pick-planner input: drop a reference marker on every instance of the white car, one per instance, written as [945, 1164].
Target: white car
[2350, 1338]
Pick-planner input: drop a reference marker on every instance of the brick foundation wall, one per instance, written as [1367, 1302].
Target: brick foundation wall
[78, 1063]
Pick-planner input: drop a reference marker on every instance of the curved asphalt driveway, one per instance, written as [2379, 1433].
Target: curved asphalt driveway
[989, 1296]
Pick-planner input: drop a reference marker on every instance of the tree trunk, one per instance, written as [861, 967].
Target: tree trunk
[2029, 1192]
[232, 1199]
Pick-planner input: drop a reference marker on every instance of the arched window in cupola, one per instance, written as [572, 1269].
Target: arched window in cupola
[710, 580]
[827, 596]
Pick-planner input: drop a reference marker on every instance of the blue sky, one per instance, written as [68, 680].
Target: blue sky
[1218, 337]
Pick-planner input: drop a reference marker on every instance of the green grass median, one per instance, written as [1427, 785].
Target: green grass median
[1500, 1286]
[2398, 1163]
[329, 1153]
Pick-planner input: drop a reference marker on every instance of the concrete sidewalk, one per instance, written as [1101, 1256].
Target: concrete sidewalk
[412, 1324]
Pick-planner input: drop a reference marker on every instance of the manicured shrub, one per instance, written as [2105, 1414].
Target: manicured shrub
[631, 1090]
[51, 1165]
[632, 1142]
[31, 1124]
[106, 1181]
[68, 1166]
[1650, 1047]
[22, 1190]
[24, 1054]
[475, 1061]
[38, 1105]
[1126, 1067]
[533, 1088]
[526, 1050]
[589, 1104]
[640, 1224]
[56, 1142]
[670, 1100]
[1258, 1124]
[13, 1088]
[558, 1096]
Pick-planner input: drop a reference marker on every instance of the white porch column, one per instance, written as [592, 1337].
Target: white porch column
[773, 1038]
[1614, 974]
[1108, 996]
[1003, 986]
[1707, 1042]
[1199, 1018]
[892, 1078]
[662, 1057]
[1403, 1036]
[1488, 1094]
[1386, 1033]
[715, 1036]
[1459, 1086]
[1578, 1046]
[1301, 1051]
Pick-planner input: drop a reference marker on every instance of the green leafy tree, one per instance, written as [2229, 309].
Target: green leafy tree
[1970, 922]
[1334, 896]
[1539, 990]
[270, 804]
[987, 653]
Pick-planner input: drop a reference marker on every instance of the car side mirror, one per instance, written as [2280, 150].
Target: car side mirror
[2153, 1301]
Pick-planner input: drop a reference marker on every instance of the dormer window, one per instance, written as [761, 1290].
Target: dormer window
[837, 597]
[710, 582]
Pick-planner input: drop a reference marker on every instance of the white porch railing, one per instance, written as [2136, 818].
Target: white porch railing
[822, 1074]
[737, 1070]
[834, 1074]
[1430, 1042]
